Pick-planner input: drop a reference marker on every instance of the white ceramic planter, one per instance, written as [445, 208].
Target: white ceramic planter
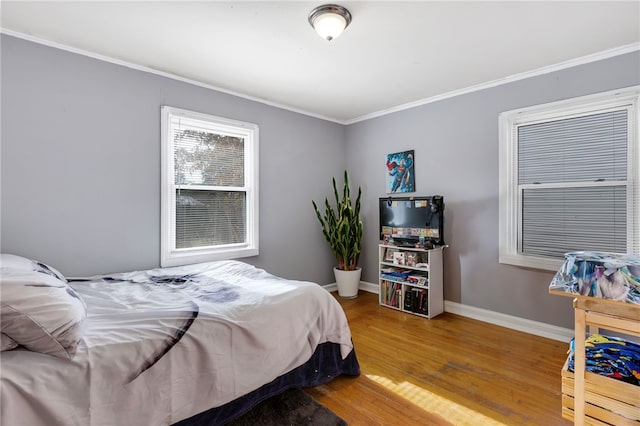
[348, 282]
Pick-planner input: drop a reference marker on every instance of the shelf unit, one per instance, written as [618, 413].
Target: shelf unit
[587, 397]
[410, 279]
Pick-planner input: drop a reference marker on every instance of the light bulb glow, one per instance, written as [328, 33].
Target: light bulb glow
[330, 25]
[329, 20]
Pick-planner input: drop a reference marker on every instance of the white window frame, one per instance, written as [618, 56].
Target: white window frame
[510, 200]
[169, 254]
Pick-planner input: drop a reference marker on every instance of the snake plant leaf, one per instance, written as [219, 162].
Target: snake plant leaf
[342, 226]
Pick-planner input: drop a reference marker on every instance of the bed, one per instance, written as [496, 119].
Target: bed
[192, 345]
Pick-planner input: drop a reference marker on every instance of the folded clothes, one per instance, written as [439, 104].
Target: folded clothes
[612, 357]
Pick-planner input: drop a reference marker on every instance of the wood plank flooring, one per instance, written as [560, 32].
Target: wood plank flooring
[449, 370]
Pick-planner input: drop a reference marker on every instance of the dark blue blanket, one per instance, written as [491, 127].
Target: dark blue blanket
[325, 364]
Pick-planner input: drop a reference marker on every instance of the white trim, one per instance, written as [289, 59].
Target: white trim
[515, 323]
[609, 53]
[249, 132]
[162, 73]
[508, 321]
[331, 287]
[369, 287]
[509, 213]
[364, 286]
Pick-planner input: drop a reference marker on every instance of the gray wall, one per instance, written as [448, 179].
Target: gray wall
[80, 171]
[80, 165]
[456, 150]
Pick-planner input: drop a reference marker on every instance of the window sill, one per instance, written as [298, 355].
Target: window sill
[186, 257]
[530, 261]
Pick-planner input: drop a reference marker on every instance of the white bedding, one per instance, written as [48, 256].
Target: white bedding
[164, 344]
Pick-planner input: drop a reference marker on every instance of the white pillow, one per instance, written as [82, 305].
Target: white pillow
[22, 263]
[41, 312]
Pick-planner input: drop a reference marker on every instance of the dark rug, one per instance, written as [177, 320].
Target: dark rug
[293, 407]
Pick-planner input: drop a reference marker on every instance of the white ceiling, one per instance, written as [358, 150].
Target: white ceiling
[393, 54]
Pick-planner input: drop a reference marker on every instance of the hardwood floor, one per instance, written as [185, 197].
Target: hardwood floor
[449, 370]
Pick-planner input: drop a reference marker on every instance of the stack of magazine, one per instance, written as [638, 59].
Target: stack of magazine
[403, 275]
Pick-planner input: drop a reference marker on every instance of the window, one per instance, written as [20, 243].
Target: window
[569, 179]
[209, 188]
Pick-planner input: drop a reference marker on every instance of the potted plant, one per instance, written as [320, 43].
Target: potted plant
[342, 228]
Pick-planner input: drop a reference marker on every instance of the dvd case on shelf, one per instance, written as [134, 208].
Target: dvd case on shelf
[410, 279]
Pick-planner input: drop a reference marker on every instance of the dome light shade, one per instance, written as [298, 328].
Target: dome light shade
[329, 20]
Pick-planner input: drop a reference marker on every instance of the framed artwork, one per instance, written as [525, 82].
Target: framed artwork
[400, 167]
[388, 255]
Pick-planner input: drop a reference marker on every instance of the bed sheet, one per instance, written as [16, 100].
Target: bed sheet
[165, 344]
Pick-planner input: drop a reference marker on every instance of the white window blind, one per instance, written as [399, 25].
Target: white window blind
[569, 179]
[572, 175]
[210, 195]
[209, 218]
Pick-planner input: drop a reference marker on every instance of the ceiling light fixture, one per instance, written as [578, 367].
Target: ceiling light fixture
[329, 20]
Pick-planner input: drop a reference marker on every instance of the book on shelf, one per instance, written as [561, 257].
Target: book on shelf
[408, 300]
[391, 293]
[424, 302]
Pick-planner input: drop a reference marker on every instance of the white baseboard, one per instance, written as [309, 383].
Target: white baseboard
[370, 287]
[364, 286]
[332, 287]
[516, 323]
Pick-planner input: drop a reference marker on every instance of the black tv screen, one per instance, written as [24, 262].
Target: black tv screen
[412, 220]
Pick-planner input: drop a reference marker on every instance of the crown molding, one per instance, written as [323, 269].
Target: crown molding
[150, 70]
[617, 51]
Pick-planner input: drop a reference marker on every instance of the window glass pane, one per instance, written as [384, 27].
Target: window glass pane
[208, 158]
[579, 149]
[559, 220]
[208, 218]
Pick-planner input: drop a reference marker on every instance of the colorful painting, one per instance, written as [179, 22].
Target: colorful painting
[400, 168]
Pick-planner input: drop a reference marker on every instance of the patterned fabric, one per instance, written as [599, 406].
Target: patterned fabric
[162, 345]
[39, 310]
[603, 275]
[612, 357]
[22, 263]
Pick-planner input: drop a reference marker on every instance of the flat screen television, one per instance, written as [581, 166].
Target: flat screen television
[412, 221]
